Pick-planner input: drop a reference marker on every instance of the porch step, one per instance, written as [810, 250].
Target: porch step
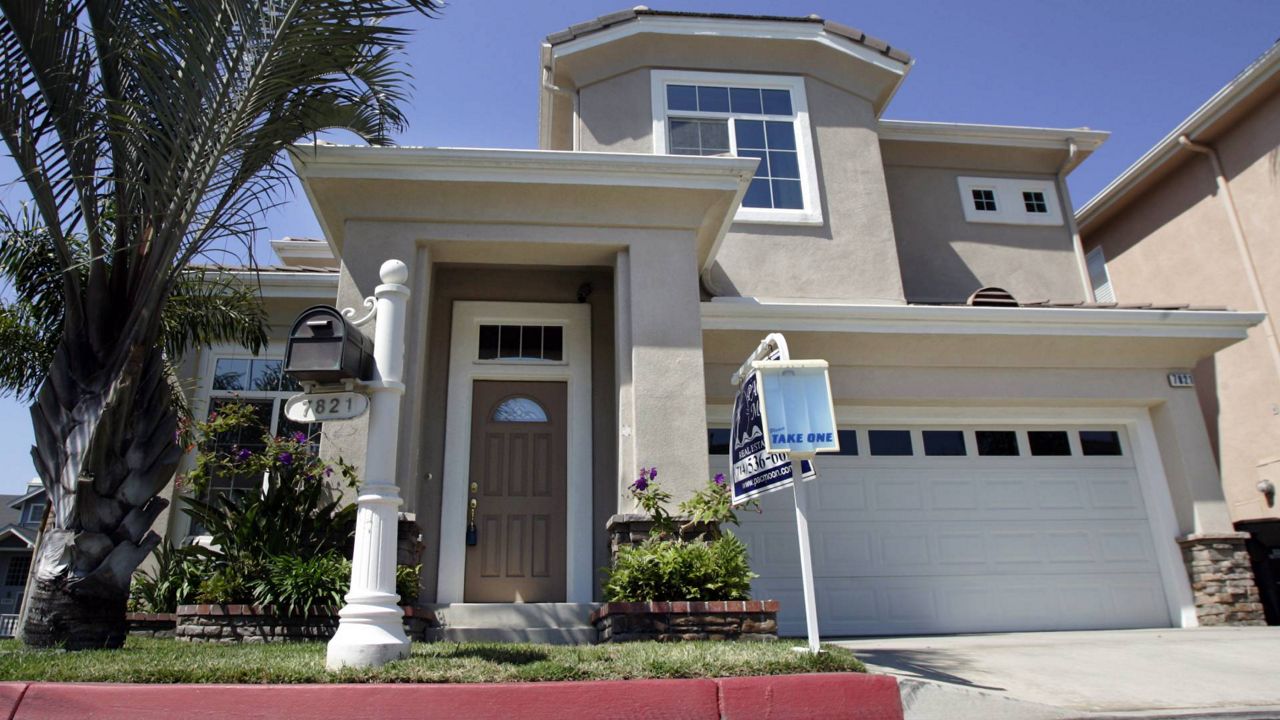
[553, 623]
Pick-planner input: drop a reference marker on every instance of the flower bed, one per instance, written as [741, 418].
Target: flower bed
[687, 620]
[256, 624]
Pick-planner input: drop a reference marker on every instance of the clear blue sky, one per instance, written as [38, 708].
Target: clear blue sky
[1133, 67]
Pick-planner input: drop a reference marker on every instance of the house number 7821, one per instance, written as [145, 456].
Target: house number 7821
[323, 407]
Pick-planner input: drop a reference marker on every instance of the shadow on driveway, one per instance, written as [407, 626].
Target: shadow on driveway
[936, 665]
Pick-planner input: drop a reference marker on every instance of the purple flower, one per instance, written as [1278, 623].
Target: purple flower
[328, 472]
[642, 483]
[720, 479]
[243, 454]
[285, 458]
[653, 474]
[300, 437]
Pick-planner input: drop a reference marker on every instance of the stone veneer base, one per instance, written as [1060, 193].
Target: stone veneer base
[1222, 582]
[160, 625]
[255, 624]
[687, 620]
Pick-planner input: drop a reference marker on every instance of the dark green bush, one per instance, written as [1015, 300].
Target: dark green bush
[407, 581]
[294, 585]
[174, 580]
[228, 584]
[668, 569]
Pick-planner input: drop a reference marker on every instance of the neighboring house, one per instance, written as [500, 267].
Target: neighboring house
[20, 517]
[1196, 219]
[1014, 462]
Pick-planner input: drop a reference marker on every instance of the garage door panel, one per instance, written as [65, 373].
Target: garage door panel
[965, 544]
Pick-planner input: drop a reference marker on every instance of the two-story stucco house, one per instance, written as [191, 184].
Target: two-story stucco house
[20, 518]
[1196, 218]
[1018, 461]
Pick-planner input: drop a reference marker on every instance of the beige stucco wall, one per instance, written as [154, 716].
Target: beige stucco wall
[851, 255]
[946, 371]
[944, 257]
[1173, 243]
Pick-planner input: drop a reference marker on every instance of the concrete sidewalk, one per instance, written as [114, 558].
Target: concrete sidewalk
[1168, 671]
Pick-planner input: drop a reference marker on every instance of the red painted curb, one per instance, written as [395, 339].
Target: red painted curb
[849, 695]
[811, 697]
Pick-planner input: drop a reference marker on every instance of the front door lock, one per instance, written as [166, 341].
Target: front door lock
[473, 535]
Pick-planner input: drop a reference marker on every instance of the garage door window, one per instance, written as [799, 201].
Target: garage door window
[890, 442]
[1100, 442]
[997, 442]
[1049, 442]
[944, 442]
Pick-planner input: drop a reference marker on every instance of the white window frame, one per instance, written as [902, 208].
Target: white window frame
[1011, 209]
[811, 214]
[1103, 292]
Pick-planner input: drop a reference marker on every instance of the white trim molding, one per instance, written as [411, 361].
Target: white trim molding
[464, 369]
[811, 213]
[816, 316]
[1010, 204]
[1136, 421]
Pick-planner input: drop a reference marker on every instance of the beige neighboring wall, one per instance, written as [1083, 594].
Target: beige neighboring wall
[946, 258]
[1171, 241]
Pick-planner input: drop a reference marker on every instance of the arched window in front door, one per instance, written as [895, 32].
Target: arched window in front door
[519, 410]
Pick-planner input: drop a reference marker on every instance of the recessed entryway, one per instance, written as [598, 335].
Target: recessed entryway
[519, 428]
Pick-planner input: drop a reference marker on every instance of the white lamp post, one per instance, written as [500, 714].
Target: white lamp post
[371, 624]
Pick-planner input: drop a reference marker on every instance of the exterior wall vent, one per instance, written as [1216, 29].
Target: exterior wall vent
[992, 297]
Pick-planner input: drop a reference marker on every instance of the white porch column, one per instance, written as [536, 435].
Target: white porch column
[371, 625]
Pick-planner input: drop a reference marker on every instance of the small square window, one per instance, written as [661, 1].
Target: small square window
[890, 442]
[553, 343]
[231, 374]
[1035, 202]
[984, 200]
[997, 442]
[488, 342]
[713, 99]
[848, 442]
[944, 442]
[776, 102]
[1100, 442]
[682, 97]
[509, 341]
[718, 441]
[1048, 442]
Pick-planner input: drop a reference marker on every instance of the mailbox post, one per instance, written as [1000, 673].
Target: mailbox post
[371, 624]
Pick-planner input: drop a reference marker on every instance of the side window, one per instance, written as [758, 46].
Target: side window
[1098, 276]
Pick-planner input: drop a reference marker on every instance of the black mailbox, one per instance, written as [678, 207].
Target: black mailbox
[325, 348]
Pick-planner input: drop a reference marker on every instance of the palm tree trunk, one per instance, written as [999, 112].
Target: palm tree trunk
[105, 446]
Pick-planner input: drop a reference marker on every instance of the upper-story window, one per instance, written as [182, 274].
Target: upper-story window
[984, 200]
[760, 116]
[1010, 201]
[32, 513]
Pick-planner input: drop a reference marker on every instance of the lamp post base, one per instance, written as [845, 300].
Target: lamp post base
[369, 635]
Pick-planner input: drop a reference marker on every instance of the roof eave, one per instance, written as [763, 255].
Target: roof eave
[1241, 88]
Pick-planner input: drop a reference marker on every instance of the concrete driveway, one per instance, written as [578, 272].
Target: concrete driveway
[1172, 670]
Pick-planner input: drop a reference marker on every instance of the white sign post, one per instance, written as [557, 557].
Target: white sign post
[371, 624]
[783, 416]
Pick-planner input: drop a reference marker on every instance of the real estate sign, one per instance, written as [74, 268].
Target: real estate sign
[755, 470]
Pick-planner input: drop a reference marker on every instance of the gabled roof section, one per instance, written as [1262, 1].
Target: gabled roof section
[614, 19]
[1219, 112]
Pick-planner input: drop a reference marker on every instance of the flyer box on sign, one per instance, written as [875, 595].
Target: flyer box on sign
[798, 413]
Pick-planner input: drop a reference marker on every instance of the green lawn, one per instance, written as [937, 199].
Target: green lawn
[149, 660]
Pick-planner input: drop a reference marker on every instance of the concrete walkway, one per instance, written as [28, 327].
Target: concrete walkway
[1117, 671]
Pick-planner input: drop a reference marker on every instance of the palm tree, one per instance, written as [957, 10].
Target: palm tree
[149, 132]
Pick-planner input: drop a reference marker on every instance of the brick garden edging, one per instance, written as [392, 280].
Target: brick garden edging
[160, 625]
[687, 620]
[255, 624]
[1222, 582]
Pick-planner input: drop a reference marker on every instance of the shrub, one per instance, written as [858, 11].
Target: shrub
[408, 579]
[665, 569]
[175, 580]
[228, 584]
[294, 585]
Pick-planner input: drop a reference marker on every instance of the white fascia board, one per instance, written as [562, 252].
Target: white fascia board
[1001, 135]
[302, 249]
[720, 27]
[305, 285]
[964, 320]
[524, 166]
[1222, 102]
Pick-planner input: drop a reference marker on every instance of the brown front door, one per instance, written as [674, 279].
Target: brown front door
[518, 488]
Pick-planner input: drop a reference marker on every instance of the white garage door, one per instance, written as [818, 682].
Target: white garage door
[966, 529]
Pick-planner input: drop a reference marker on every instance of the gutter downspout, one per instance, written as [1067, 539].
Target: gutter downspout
[573, 96]
[1242, 245]
[1077, 245]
